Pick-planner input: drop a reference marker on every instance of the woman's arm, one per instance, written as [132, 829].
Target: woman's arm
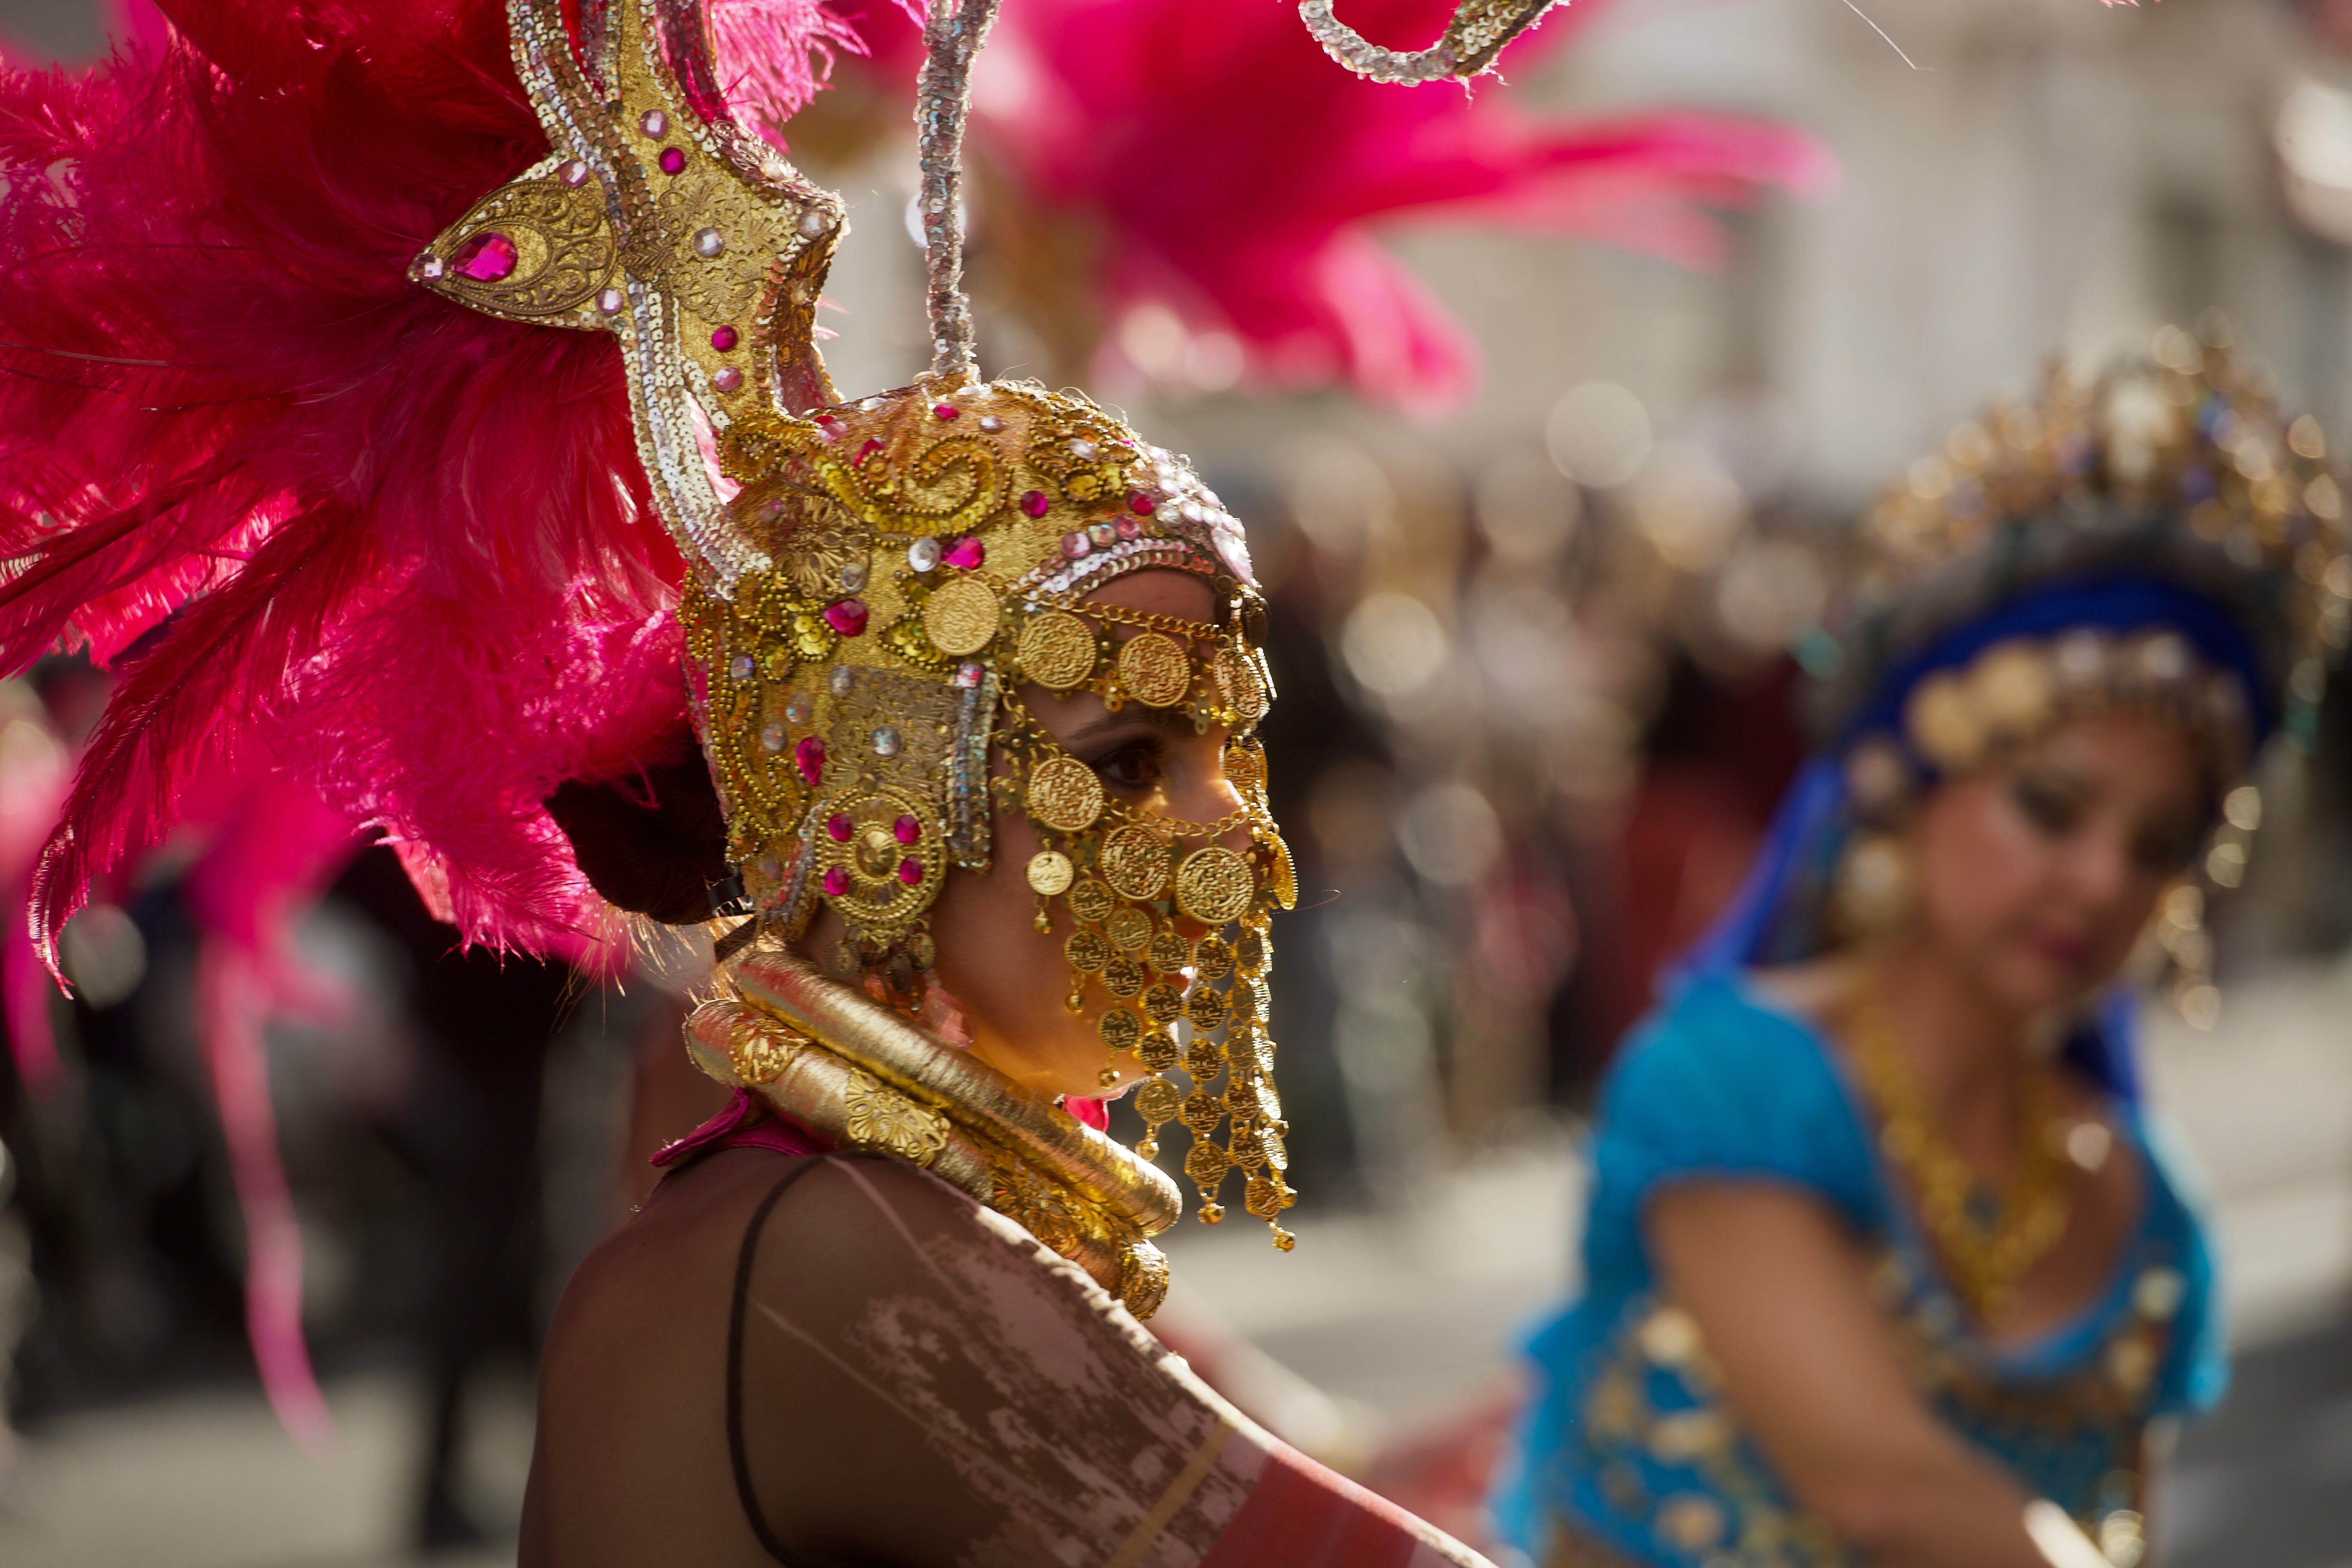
[1782, 1296]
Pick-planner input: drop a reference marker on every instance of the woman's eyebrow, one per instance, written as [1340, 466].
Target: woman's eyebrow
[1098, 726]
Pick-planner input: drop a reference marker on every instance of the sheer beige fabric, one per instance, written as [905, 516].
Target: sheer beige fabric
[922, 1383]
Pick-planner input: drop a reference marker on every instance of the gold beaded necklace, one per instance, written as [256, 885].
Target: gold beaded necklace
[1986, 1247]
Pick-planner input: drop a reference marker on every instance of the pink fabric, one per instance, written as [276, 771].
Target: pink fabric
[1094, 1113]
[744, 1124]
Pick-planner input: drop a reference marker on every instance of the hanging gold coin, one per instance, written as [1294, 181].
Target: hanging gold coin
[1207, 1163]
[1155, 670]
[1250, 953]
[1049, 872]
[1212, 958]
[1169, 952]
[1087, 951]
[1163, 1004]
[1202, 1112]
[1202, 1060]
[1091, 901]
[1206, 1006]
[1128, 928]
[1158, 1053]
[1241, 1098]
[1134, 860]
[1264, 1199]
[1122, 977]
[962, 617]
[1214, 885]
[1064, 794]
[1245, 769]
[1119, 1028]
[1244, 687]
[1157, 1102]
[1057, 650]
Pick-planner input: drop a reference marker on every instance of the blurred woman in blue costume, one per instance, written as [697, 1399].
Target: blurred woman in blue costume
[1885, 1261]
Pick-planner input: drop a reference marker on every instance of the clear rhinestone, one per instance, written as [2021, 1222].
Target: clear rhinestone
[1083, 449]
[886, 742]
[655, 122]
[853, 576]
[923, 555]
[815, 221]
[840, 679]
[772, 735]
[708, 242]
[431, 266]
[740, 667]
[575, 173]
[611, 301]
[991, 422]
[800, 708]
[970, 673]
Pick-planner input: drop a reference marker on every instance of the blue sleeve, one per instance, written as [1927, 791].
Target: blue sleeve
[2196, 1370]
[1719, 1087]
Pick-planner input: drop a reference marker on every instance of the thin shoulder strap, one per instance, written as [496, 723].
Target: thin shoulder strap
[742, 1463]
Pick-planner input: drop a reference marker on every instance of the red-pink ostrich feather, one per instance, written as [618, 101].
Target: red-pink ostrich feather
[1236, 175]
[404, 549]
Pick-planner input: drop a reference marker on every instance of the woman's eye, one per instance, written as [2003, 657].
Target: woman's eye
[2054, 809]
[1135, 765]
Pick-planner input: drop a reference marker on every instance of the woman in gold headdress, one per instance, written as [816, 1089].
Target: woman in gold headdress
[1885, 1261]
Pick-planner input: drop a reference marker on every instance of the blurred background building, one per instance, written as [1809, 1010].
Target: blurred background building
[1536, 652]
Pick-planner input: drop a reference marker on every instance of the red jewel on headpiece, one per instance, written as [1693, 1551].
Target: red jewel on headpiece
[907, 829]
[1140, 504]
[846, 616]
[672, 160]
[947, 411]
[910, 871]
[1034, 503]
[722, 338]
[487, 257]
[836, 881]
[809, 757]
[838, 824]
[873, 445]
[966, 553]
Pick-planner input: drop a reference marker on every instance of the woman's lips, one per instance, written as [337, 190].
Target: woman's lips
[2074, 954]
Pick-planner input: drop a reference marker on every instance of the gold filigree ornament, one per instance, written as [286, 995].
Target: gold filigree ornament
[872, 583]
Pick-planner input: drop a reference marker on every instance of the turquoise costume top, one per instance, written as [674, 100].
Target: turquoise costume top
[1628, 1444]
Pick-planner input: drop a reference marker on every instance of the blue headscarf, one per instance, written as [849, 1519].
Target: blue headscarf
[1776, 916]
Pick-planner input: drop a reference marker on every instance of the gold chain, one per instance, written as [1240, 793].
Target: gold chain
[1985, 1260]
[1174, 626]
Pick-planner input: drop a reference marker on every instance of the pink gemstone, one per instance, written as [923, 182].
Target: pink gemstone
[672, 160]
[966, 553]
[1140, 504]
[809, 757]
[830, 429]
[487, 257]
[836, 881]
[910, 871]
[1129, 527]
[839, 826]
[907, 829]
[846, 616]
[727, 378]
[947, 411]
[1074, 545]
[1034, 503]
[724, 339]
[873, 445]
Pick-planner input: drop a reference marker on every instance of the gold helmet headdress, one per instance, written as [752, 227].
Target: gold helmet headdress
[870, 584]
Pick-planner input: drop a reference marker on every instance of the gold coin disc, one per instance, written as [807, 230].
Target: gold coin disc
[1128, 928]
[1134, 862]
[1163, 1004]
[1202, 1112]
[1245, 768]
[1202, 1060]
[1158, 1052]
[1244, 687]
[1157, 1102]
[1215, 885]
[1250, 953]
[962, 617]
[1057, 650]
[1155, 670]
[1050, 872]
[1090, 901]
[1087, 951]
[1122, 977]
[1207, 1163]
[1169, 952]
[1064, 794]
[1212, 958]
[1120, 1028]
[1206, 1007]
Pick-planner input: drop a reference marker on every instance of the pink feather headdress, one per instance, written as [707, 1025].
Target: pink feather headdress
[403, 551]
